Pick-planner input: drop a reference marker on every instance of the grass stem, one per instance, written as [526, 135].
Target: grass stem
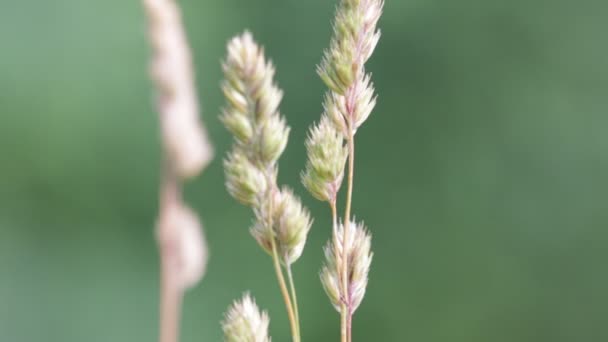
[294, 297]
[280, 277]
[349, 195]
[170, 293]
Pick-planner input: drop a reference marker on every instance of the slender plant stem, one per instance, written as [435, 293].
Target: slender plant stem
[343, 322]
[334, 220]
[346, 314]
[349, 324]
[170, 293]
[294, 298]
[170, 306]
[349, 191]
[343, 308]
[285, 293]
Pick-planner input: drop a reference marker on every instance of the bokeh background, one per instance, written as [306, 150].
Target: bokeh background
[482, 173]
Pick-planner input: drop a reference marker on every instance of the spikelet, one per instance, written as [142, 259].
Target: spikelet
[358, 249]
[245, 323]
[326, 157]
[244, 181]
[291, 225]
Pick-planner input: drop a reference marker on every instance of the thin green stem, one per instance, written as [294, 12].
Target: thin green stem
[346, 314]
[290, 313]
[343, 308]
[170, 292]
[294, 297]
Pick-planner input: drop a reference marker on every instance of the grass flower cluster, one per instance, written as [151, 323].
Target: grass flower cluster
[348, 103]
[251, 114]
[260, 136]
[250, 171]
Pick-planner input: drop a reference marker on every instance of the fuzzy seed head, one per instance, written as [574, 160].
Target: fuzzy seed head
[358, 249]
[245, 323]
[252, 101]
[326, 157]
[245, 182]
[261, 134]
[355, 38]
[249, 84]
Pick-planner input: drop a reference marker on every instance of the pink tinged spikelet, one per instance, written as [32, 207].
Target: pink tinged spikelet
[354, 107]
[358, 249]
[326, 158]
[365, 101]
[291, 223]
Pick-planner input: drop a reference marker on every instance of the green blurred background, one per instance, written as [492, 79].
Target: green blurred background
[482, 173]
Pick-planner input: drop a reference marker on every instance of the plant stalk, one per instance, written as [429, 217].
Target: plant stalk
[349, 325]
[294, 298]
[343, 307]
[170, 292]
[290, 313]
[346, 314]
[170, 306]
